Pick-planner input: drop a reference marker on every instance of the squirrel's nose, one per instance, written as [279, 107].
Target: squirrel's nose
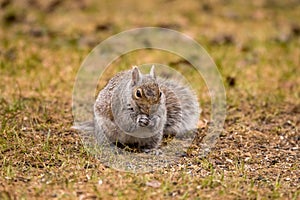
[147, 111]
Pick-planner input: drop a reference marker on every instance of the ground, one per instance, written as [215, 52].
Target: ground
[255, 45]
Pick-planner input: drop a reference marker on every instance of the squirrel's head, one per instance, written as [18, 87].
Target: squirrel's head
[145, 91]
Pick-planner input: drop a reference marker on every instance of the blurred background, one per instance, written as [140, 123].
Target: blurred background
[249, 41]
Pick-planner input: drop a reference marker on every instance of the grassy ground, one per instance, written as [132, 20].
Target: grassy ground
[256, 47]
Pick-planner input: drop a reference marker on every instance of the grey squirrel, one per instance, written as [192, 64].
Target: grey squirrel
[139, 110]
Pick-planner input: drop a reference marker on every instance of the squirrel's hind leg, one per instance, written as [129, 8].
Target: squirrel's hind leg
[104, 131]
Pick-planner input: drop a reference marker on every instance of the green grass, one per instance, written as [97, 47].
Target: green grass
[255, 45]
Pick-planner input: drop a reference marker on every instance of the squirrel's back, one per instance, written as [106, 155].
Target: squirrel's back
[103, 102]
[182, 108]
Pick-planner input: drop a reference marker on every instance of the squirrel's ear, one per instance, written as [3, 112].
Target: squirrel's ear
[136, 75]
[152, 72]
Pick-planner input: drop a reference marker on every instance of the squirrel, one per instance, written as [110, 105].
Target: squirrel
[138, 110]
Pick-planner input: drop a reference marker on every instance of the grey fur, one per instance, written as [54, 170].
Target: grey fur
[182, 108]
[120, 116]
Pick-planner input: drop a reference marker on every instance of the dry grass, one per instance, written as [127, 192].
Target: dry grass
[256, 46]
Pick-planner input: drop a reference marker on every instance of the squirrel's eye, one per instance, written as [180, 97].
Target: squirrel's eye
[138, 93]
[159, 94]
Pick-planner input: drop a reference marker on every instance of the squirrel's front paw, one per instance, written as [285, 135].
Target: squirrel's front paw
[143, 120]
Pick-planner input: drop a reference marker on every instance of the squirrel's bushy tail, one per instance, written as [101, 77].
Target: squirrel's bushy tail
[84, 126]
[183, 109]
